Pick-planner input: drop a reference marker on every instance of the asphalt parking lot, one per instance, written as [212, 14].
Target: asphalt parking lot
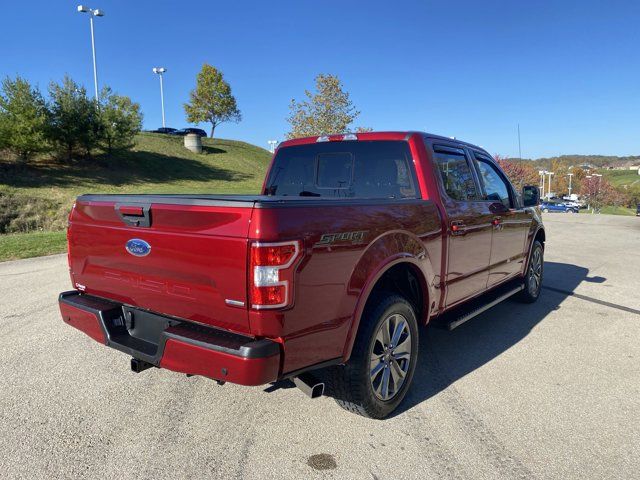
[549, 390]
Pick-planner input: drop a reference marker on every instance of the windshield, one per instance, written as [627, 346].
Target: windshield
[350, 169]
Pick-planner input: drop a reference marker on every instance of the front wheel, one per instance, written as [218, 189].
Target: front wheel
[545, 210]
[533, 277]
[377, 376]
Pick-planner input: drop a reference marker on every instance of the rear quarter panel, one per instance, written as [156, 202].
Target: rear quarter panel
[334, 277]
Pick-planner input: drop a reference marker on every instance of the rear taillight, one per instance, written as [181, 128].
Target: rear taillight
[271, 271]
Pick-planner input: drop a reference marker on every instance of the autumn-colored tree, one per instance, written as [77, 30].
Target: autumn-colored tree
[212, 101]
[577, 179]
[328, 110]
[519, 173]
[598, 192]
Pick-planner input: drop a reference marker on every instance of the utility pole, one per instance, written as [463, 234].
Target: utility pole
[93, 13]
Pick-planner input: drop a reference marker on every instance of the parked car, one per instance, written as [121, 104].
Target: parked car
[557, 207]
[167, 130]
[355, 242]
[572, 204]
[184, 131]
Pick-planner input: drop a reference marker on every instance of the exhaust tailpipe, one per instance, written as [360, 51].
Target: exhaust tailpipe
[309, 385]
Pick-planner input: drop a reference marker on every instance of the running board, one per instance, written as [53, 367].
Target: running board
[482, 308]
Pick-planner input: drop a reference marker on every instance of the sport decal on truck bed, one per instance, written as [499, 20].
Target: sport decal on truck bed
[347, 237]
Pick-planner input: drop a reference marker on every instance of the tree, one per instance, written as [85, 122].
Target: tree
[577, 179]
[120, 121]
[328, 110]
[23, 118]
[519, 173]
[599, 192]
[74, 119]
[211, 101]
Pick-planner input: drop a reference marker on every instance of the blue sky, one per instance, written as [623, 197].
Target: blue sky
[567, 71]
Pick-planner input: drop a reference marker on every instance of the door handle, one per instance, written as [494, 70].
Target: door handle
[458, 227]
[134, 215]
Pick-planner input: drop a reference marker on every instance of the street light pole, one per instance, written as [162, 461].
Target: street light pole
[159, 71]
[95, 65]
[550, 173]
[93, 13]
[272, 145]
[570, 175]
[542, 174]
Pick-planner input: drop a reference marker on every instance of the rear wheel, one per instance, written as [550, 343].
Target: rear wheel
[533, 277]
[377, 376]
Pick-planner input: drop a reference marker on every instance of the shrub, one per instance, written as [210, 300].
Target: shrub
[74, 122]
[23, 119]
[21, 213]
[120, 120]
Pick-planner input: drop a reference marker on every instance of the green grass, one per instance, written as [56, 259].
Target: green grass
[35, 244]
[156, 164]
[619, 178]
[611, 210]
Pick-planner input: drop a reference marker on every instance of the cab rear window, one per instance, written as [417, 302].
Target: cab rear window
[358, 169]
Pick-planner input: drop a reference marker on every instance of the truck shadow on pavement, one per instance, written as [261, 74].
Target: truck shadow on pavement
[446, 356]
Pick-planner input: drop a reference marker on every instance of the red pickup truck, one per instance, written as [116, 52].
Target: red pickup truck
[323, 279]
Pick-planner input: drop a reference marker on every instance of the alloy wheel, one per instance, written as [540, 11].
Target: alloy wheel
[535, 272]
[390, 356]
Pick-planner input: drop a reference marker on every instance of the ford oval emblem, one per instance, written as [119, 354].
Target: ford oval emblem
[138, 248]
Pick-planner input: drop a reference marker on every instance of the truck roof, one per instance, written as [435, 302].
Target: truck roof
[383, 135]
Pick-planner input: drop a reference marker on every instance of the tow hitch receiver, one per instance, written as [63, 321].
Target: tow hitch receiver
[138, 365]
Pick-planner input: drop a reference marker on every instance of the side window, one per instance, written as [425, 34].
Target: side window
[456, 174]
[494, 185]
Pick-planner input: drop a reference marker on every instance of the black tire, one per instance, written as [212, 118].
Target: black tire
[545, 210]
[534, 275]
[351, 385]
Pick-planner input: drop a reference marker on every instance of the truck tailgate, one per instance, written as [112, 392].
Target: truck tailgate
[176, 255]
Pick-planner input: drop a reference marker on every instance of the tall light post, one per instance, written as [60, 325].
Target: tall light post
[542, 174]
[93, 13]
[570, 175]
[272, 145]
[159, 71]
[550, 173]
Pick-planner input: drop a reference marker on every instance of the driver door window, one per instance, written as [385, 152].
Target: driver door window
[495, 187]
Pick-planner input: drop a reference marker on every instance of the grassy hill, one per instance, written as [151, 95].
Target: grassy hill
[595, 160]
[620, 178]
[37, 196]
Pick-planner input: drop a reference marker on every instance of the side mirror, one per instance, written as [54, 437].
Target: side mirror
[530, 196]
